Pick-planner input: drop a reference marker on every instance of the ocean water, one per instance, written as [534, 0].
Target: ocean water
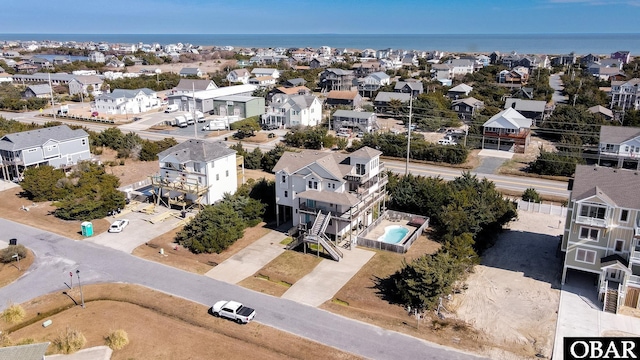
[487, 43]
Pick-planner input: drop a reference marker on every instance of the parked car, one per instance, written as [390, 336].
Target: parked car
[359, 134]
[118, 226]
[94, 114]
[269, 126]
[233, 310]
[171, 108]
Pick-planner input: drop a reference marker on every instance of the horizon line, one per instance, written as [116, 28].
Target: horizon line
[298, 34]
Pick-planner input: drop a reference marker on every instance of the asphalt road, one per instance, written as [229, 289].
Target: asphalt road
[56, 256]
[513, 183]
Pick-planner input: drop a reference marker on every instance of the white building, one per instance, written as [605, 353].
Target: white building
[127, 101]
[345, 188]
[274, 73]
[293, 110]
[197, 172]
[97, 56]
[238, 76]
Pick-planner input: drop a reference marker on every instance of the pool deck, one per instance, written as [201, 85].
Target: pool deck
[379, 229]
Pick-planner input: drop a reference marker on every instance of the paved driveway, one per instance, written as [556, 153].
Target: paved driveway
[580, 314]
[56, 256]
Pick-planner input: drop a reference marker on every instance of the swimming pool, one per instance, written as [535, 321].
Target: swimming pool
[393, 234]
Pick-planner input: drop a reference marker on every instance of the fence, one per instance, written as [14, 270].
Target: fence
[542, 208]
[395, 216]
[82, 118]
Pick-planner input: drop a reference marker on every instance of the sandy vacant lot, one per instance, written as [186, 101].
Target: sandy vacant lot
[513, 296]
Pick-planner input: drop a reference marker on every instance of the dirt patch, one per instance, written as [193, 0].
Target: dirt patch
[277, 276]
[258, 138]
[359, 299]
[258, 174]
[131, 171]
[40, 215]
[159, 326]
[181, 258]
[513, 297]
[209, 66]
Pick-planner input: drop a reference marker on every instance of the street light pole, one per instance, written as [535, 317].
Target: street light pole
[80, 285]
[406, 169]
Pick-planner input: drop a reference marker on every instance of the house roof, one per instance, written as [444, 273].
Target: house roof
[40, 89]
[194, 84]
[292, 90]
[384, 96]
[342, 95]
[88, 79]
[331, 197]
[618, 185]
[508, 119]
[366, 153]
[599, 109]
[336, 164]
[240, 72]
[189, 71]
[380, 75]
[125, 93]
[462, 88]
[353, 114]
[197, 150]
[471, 101]
[617, 134]
[223, 91]
[38, 137]
[24, 352]
[413, 85]
[263, 71]
[340, 71]
[236, 98]
[297, 81]
[525, 105]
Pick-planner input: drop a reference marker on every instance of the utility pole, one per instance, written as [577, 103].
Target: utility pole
[80, 285]
[53, 110]
[406, 169]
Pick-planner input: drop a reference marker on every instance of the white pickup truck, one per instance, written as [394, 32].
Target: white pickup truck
[233, 310]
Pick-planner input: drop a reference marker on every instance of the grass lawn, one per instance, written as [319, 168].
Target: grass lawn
[276, 277]
[159, 326]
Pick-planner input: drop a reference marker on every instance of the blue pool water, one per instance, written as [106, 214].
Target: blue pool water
[393, 234]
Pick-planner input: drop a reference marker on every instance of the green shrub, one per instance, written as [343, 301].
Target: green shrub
[6, 255]
[531, 195]
[116, 340]
[69, 341]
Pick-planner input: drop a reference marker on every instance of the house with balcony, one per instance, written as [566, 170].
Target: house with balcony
[384, 101]
[536, 110]
[239, 76]
[623, 56]
[365, 68]
[347, 98]
[507, 130]
[337, 79]
[57, 146]
[373, 82]
[625, 94]
[195, 172]
[123, 102]
[356, 120]
[331, 197]
[467, 108]
[414, 88]
[602, 233]
[293, 110]
[620, 145]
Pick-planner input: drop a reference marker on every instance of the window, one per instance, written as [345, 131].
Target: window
[619, 245]
[593, 211]
[196, 167]
[217, 177]
[589, 234]
[284, 178]
[310, 183]
[624, 215]
[227, 173]
[84, 142]
[360, 169]
[586, 256]
[286, 193]
[315, 184]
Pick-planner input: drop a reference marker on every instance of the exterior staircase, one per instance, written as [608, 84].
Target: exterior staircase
[317, 235]
[611, 301]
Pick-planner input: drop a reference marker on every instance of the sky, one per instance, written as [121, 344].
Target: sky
[320, 17]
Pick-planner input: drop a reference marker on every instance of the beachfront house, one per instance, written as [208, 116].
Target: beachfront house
[601, 237]
[337, 79]
[57, 146]
[363, 121]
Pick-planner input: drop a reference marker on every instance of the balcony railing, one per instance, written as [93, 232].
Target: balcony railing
[635, 256]
[633, 280]
[590, 221]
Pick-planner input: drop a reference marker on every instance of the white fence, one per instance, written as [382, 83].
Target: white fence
[542, 208]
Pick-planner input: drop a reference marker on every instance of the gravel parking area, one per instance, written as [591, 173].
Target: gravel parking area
[513, 296]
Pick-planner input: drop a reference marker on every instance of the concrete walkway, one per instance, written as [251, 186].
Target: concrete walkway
[328, 278]
[250, 259]
[580, 314]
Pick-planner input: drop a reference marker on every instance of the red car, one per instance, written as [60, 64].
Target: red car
[94, 114]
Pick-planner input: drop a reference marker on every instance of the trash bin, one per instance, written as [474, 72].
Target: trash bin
[183, 214]
[13, 241]
[87, 228]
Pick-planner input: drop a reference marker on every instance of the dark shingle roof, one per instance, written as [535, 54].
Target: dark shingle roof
[618, 185]
[32, 138]
[197, 150]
